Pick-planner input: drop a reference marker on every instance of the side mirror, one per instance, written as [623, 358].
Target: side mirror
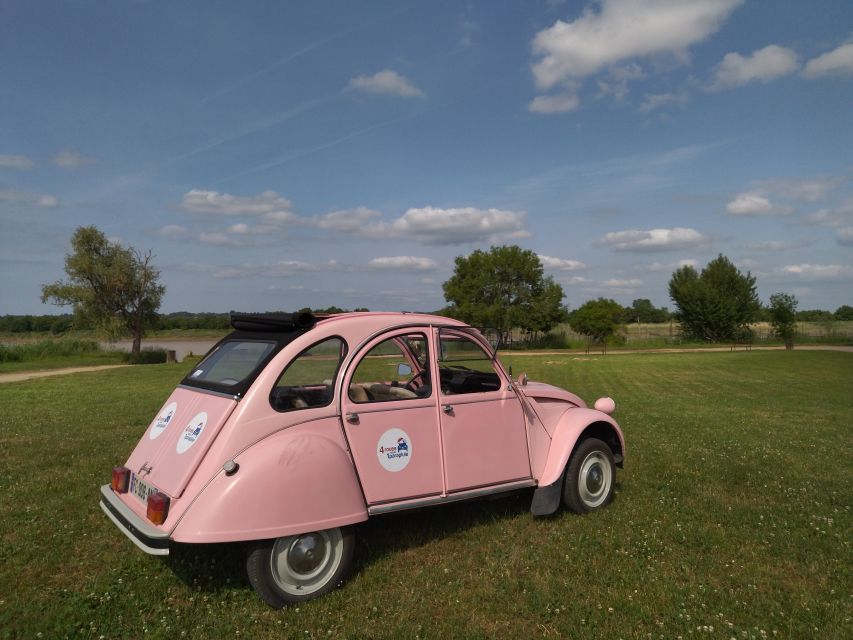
[403, 370]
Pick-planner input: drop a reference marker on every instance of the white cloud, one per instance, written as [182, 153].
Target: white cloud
[388, 83]
[836, 62]
[670, 266]
[268, 204]
[754, 203]
[346, 220]
[217, 238]
[615, 84]
[819, 271]
[749, 204]
[803, 190]
[845, 236]
[25, 197]
[657, 100]
[654, 240]
[239, 229]
[622, 284]
[432, 225]
[71, 160]
[623, 30]
[560, 264]
[8, 161]
[402, 263]
[763, 65]
[173, 231]
[833, 218]
[561, 103]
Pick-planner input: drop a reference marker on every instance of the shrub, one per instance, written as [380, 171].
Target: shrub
[148, 355]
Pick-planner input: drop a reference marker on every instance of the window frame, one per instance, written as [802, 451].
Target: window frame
[332, 387]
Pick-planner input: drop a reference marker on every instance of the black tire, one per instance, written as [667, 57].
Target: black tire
[293, 569]
[590, 477]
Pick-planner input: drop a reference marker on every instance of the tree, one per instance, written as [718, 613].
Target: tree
[642, 310]
[717, 304]
[844, 312]
[597, 319]
[783, 317]
[114, 287]
[504, 288]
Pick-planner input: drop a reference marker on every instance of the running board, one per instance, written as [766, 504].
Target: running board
[454, 497]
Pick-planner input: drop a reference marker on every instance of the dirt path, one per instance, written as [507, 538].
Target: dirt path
[27, 375]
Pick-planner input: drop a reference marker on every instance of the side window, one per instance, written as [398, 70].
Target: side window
[464, 367]
[309, 380]
[394, 369]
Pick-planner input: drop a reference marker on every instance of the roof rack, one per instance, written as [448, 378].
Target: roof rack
[272, 322]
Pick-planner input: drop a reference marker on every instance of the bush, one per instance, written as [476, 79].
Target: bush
[148, 355]
[557, 340]
[46, 349]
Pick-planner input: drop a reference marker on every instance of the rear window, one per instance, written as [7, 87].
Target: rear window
[232, 363]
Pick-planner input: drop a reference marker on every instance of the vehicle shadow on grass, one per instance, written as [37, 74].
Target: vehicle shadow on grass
[216, 567]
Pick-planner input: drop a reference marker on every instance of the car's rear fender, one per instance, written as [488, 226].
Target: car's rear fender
[574, 425]
[297, 480]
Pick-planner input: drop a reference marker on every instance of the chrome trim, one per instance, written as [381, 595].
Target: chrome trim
[454, 497]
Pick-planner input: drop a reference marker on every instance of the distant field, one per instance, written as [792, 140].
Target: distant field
[732, 519]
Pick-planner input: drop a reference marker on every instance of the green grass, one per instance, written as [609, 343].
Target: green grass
[732, 519]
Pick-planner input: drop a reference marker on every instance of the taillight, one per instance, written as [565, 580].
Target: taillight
[158, 507]
[121, 478]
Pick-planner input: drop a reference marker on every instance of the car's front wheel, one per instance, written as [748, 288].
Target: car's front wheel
[292, 569]
[590, 477]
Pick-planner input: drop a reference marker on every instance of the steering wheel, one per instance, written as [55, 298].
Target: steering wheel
[422, 375]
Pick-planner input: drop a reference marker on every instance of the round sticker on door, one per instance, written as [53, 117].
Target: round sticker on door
[394, 450]
[162, 421]
[192, 432]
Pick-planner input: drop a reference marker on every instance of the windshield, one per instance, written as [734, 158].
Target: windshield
[231, 362]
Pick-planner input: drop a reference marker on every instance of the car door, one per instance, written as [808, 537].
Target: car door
[390, 418]
[484, 438]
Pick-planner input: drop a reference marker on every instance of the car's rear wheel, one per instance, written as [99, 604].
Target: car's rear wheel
[297, 568]
[590, 477]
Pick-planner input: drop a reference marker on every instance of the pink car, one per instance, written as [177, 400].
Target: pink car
[294, 428]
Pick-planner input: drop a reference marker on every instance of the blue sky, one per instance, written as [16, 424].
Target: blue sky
[276, 155]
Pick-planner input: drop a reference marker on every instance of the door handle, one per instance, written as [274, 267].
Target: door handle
[352, 418]
[447, 408]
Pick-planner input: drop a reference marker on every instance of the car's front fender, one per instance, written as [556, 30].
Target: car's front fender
[570, 427]
[298, 480]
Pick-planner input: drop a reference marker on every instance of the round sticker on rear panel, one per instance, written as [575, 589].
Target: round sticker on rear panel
[192, 432]
[163, 420]
[394, 450]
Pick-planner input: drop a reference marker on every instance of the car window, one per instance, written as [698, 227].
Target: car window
[464, 366]
[231, 362]
[309, 379]
[394, 369]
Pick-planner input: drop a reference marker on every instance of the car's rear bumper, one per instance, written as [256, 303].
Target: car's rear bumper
[143, 534]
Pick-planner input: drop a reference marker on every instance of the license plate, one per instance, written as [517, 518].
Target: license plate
[139, 488]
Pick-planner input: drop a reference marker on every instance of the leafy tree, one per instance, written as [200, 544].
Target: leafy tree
[642, 310]
[597, 319]
[815, 315]
[717, 304]
[114, 287]
[504, 288]
[783, 317]
[844, 312]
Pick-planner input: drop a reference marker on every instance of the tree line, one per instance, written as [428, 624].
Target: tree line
[116, 290]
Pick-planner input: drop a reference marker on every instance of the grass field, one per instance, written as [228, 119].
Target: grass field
[732, 520]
